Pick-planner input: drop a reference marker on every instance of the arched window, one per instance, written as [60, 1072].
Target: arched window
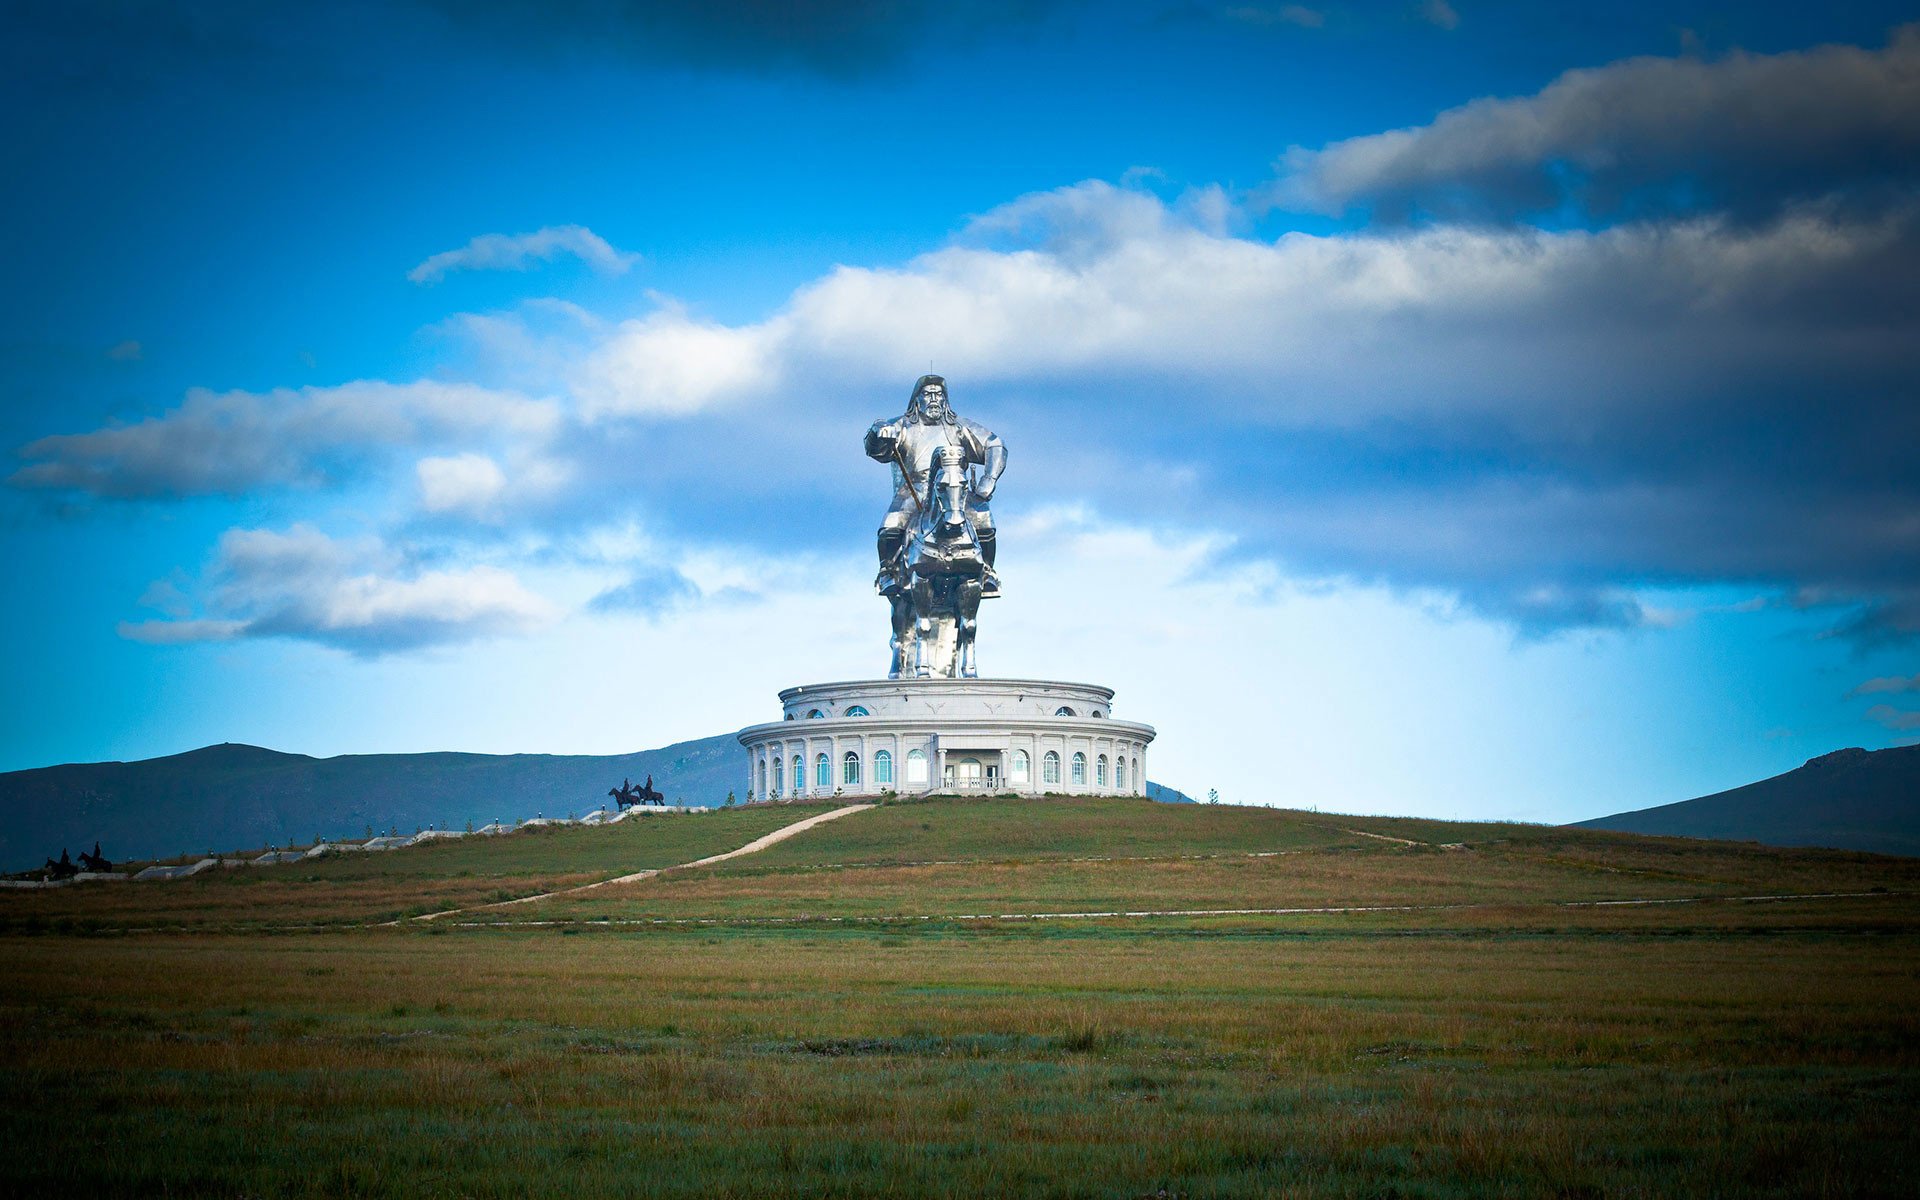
[799, 776]
[1079, 769]
[822, 772]
[858, 711]
[779, 783]
[814, 714]
[1098, 713]
[788, 717]
[916, 766]
[760, 777]
[1120, 773]
[1022, 767]
[1064, 711]
[850, 769]
[883, 766]
[1050, 767]
[1100, 771]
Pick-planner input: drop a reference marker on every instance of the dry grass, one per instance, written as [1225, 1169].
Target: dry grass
[1540, 867]
[1514, 1048]
[360, 888]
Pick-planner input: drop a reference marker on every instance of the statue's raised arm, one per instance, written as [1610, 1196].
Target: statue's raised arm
[881, 440]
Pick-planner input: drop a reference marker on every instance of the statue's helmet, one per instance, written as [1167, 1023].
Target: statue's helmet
[918, 406]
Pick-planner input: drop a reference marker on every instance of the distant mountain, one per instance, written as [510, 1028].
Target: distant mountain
[230, 796]
[1167, 795]
[1850, 800]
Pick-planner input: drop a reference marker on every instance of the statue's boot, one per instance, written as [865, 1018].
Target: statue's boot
[889, 580]
[989, 581]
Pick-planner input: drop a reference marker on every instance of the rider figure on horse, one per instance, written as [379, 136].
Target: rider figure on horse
[913, 444]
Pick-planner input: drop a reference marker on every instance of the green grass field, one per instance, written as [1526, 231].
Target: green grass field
[891, 1004]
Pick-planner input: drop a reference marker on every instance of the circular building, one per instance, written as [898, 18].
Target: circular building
[869, 737]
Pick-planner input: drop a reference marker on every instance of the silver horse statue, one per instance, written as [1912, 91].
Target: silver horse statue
[937, 543]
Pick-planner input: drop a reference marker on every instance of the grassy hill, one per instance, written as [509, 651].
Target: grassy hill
[951, 858]
[1850, 799]
[231, 795]
[959, 998]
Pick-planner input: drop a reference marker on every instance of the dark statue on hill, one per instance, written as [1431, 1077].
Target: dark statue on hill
[95, 861]
[627, 795]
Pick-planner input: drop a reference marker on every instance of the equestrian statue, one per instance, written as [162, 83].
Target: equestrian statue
[936, 544]
[627, 795]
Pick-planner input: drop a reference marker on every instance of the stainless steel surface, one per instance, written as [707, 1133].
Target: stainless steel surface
[936, 543]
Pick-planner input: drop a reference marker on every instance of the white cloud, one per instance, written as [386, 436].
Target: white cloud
[1575, 365]
[1325, 331]
[1539, 421]
[226, 443]
[1298, 15]
[1566, 400]
[357, 596]
[467, 483]
[1887, 683]
[1440, 13]
[671, 364]
[1309, 691]
[520, 251]
[1897, 719]
[1750, 132]
[180, 633]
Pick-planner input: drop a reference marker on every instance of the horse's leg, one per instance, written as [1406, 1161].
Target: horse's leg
[948, 621]
[932, 610]
[902, 613]
[922, 628]
[923, 642]
[966, 623]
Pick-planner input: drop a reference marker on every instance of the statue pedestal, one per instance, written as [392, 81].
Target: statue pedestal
[1027, 737]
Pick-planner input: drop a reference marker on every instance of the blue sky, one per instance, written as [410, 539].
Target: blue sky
[1456, 408]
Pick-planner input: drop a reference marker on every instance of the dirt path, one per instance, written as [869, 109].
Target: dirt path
[1383, 837]
[754, 847]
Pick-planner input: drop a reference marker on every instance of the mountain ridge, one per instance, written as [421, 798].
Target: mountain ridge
[1847, 799]
[234, 794]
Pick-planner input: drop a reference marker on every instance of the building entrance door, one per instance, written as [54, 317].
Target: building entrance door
[967, 773]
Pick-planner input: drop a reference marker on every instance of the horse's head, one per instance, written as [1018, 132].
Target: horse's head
[949, 496]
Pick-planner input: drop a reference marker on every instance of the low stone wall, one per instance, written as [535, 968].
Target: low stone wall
[205, 864]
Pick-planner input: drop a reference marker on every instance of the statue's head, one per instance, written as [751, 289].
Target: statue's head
[930, 403]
